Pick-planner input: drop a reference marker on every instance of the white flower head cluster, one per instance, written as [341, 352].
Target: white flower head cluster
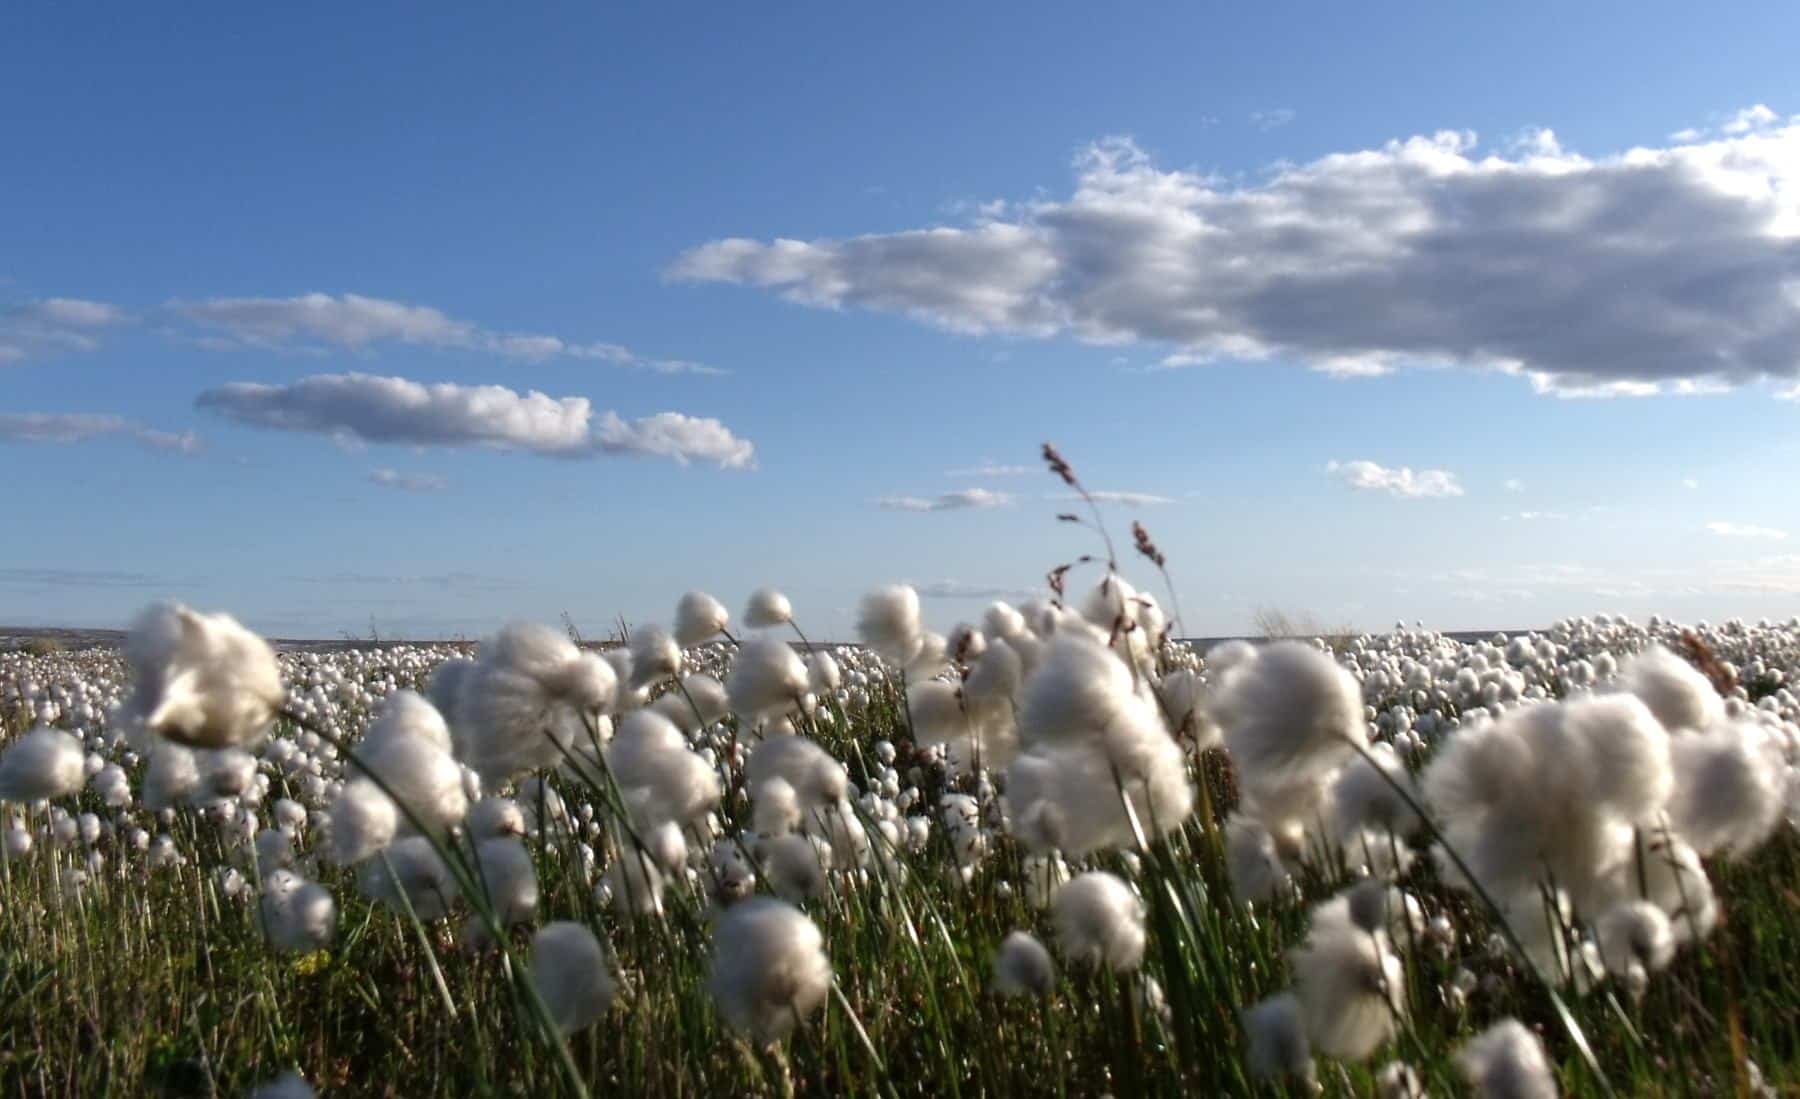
[202, 680]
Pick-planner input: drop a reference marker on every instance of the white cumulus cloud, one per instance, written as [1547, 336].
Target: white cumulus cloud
[1665, 269]
[368, 408]
[1401, 481]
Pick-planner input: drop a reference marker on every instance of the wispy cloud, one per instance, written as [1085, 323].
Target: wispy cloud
[955, 589]
[1430, 250]
[357, 322]
[367, 408]
[75, 578]
[76, 427]
[1513, 484]
[1746, 530]
[54, 324]
[408, 482]
[1368, 476]
[1274, 118]
[993, 469]
[971, 499]
[1115, 496]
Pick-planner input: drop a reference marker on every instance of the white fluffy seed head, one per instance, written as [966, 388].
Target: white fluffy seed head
[888, 622]
[699, 617]
[507, 879]
[767, 679]
[297, 916]
[201, 679]
[44, 763]
[363, 821]
[1277, 1040]
[570, 970]
[1507, 1061]
[1022, 967]
[1676, 692]
[1349, 983]
[654, 656]
[769, 968]
[1099, 921]
[1289, 714]
[1731, 789]
[768, 608]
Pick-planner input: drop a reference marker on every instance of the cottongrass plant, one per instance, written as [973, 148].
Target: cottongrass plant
[681, 863]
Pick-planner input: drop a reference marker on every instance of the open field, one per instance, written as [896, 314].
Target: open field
[202, 891]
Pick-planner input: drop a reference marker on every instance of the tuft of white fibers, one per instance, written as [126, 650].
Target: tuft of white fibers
[1348, 981]
[570, 970]
[887, 621]
[1111, 604]
[930, 658]
[776, 808]
[1258, 875]
[493, 817]
[172, 776]
[767, 679]
[1364, 795]
[406, 715]
[44, 763]
[1022, 967]
[1002, 621]
[1099, 921]
[995, 681]
[661, 777]
[201, 680]
[699, 617]
[1182, 696]
[1507, 1061]
[769, 968]
[1399, 1080]
[274, 850]
[1676, 692]
[297, 916]
[634, 884]
[1671, 876]
[1731, 791]
[936, 710]
[444, 687]
[1618, 751]
[1636, 940]
[422, 778]
[1289, 715]
[767, 608]
[817, 778]
[823, 674]
[507, 880]
[699, 702]
[227, 772]
[289, 1085]
[1077, 691]
[794, 864]
[410, 868]
[531, 696]
[1277, 1041]
[654, 656]
[363, 821]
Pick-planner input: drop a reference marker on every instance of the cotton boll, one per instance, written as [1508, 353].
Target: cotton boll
[363, 821]
[706, 695]
[794, 865]
[227, 772]
[1731, 788]
[1507, 1061]
[817, 778]
[1002, 620]
[507, 879]
[1636, 940]
[494, 817]
[172, 776]
[42, 764]
[930, 658]
[1349, 985]
[1077, 690]
[654, 656]
[274, 850]
[1364, 795]
[570, 971]
[1399, 1080]
[995, 681]
[1099, 920]
[406, 716]
[1022, 967]
[298, 916]
[1257, 873]
[699, 617]
[1223, 657]
[1624, 751]
[767, 678]
[1673, 689]
[201, 680]
[635, 884]
[1111, 604]
[823, 674]
[769, 968]
[421, 777]
[888, 622]
[445, 685]
[411, 868]
[1290, 707]
[768, 608]
[1182, 697]
[937, 715]
[777, 807]
[1277, 1040]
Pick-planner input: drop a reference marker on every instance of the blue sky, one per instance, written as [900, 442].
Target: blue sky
[863, 254]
